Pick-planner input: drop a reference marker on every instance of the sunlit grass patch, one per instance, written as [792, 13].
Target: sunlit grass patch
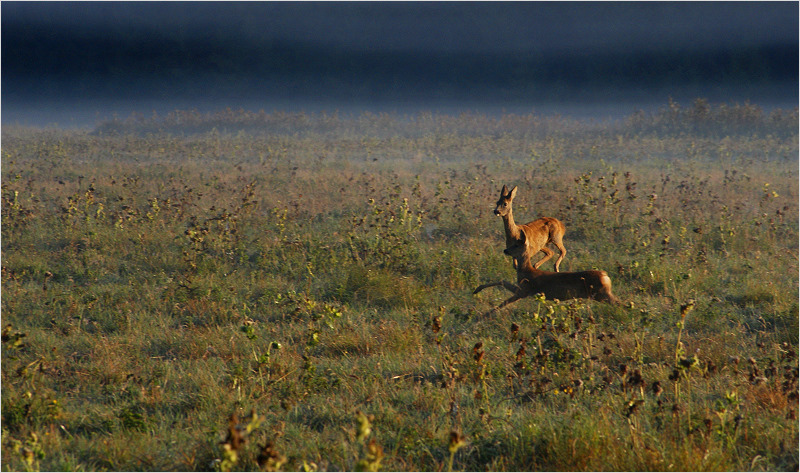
[155, 285]
[379, 287]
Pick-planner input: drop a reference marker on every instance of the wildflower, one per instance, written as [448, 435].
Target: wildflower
[520, 352]
[676, 375]
[235, 437]
[707, 422]
[436, 324]
[514, 331]
[657, 389]
[372, 461]
[689, 362]
[456, 441]
[772, 370]
[686, 308]
[269, 459]
[477, 352]
[635, 379]
[633, 406]
[364, 425]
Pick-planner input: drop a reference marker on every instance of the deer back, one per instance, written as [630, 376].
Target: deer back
[582, 284]
[541, 231]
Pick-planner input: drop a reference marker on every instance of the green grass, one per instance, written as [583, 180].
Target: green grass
[292, 270]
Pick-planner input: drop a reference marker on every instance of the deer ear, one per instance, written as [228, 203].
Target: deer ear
[513, 192]
[504, 190]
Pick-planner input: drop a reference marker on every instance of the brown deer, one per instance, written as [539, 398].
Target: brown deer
[539, 232]
[583, 284]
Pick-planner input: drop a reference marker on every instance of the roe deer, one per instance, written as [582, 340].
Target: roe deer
[583, 284]
[539, 232]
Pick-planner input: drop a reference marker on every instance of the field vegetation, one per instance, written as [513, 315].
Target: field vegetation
[290, 291]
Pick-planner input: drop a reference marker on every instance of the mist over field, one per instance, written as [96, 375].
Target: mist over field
[74, 64]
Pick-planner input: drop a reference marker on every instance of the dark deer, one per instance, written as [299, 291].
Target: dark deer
[574, 285]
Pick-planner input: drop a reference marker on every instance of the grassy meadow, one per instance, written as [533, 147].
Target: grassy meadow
[280, 291]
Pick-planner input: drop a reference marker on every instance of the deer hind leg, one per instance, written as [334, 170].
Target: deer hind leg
[557, 240]
[511, 287]
[605, 295]
[611, 299]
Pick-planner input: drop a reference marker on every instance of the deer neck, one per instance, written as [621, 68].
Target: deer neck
[525, 266]
[525, 269]
[512, 230]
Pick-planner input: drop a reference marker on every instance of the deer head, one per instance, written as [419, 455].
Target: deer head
[504, 202]
[519, 248]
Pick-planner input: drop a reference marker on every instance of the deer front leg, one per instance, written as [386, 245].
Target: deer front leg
[548, 253]
[511, 299]
[511, 287]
